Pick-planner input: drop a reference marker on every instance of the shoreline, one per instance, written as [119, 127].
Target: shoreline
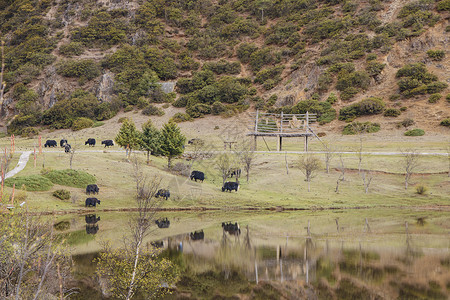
[260, 209]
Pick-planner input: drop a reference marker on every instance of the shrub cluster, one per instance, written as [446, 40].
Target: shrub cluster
[415, 132]
[357, 127]
[415, 80]
[369, 106]
[82, 123]
[62, 194]
[436, 54]
[152, 110]
[392, 112]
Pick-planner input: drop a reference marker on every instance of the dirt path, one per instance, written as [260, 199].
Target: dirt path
[23, 160]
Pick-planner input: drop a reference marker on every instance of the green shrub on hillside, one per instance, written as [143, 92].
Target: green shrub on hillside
[357, 127]
[259, 58]
[436, 54]
[245, 50]
[198, 110]
[392, 112]
[29, 132]
[266, 74]
[374, 68]
[83, 69]
[62, 194]
[443, 5]
[180, 117]
[151, 110]
[415, 80]
[434, 98]
[82, 123]
[223, 67]
[445, 122]
[102, 29]
[71, 49]
[79, 104]
[415, 132]
[71, 178]
[369, 106]
[30, 183]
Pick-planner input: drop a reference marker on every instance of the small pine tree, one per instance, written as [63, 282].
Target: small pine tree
[128, 136]
[150, 139]
[172, 142]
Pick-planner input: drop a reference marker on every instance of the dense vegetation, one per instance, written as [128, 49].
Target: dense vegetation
[225, 56]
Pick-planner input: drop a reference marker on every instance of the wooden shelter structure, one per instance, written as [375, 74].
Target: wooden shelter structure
[282, 125]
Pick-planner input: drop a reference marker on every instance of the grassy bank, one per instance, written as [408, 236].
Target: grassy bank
[275, 180]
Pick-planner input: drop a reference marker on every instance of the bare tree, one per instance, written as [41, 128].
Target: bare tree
[309, 165]
[226, 165]
[359, 129]
[143, 272]
[341, 166]
[329, 154]
[366, 177]
[410, 162]
[29, 252]
[199, 151]
[246, 154]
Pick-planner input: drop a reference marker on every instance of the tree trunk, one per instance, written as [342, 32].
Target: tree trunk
[309, 189]
[148, 157]
[169, 162]
[133, 276]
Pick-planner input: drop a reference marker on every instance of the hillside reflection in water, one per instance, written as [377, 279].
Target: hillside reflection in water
[341, 258]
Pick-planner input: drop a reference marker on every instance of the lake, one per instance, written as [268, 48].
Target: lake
[352, 254]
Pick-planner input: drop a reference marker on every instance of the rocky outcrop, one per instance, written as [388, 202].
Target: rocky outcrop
[105, 87]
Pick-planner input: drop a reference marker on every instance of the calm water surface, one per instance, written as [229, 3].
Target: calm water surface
[396, 254]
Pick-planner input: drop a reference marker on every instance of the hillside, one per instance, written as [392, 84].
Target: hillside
[378, 61]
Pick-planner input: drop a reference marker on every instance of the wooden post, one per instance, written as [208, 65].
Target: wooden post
[281, 143]
[281, 123]
[14, 144]
[306, 143]
[40, 145]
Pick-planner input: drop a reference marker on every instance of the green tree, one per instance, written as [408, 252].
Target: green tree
[128, 136]
[172, 141]
[150, 139]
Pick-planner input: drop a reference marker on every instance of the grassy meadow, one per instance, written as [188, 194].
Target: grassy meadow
[275, 180]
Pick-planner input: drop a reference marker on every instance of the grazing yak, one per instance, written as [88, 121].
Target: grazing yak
[91, 202]
[108, 143]
[50, 143]
[91, 229]
[67, 148]
[163, 223]
[92, 188]
[91, 219]
[195, 142]
[90, 142]
[197, 175]
[157, 244]
[229, 186]
[163, 193]
[62, 142]
[197, 235]
[231, 228]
